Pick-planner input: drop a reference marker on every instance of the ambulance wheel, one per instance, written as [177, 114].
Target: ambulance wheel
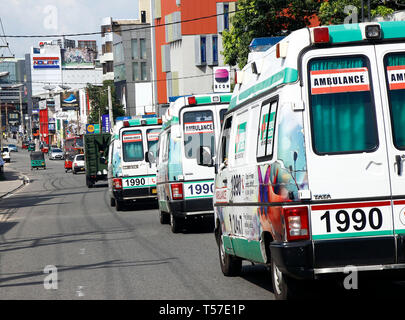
[164, 217]
[176, 224]
[284, 287]
[112, 202]
[119, 205]
[231, 266]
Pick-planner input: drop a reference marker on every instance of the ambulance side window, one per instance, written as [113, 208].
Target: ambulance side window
[265, 138]
[165, 146]
[226, 135]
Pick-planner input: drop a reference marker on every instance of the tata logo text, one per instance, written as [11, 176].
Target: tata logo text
[46, 63]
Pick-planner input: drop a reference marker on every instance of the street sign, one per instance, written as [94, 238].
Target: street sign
[106, 123]
[92, 128]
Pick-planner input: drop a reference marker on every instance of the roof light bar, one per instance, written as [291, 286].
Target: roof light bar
[321, 35]
[373, 31]
[192, 101]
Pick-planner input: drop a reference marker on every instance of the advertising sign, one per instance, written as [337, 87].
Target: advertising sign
[78, 58]
[222, 79]
[70, 100]
[42, 105]
[45, 62]
[92, 128]
[51, 127]
[105, 123]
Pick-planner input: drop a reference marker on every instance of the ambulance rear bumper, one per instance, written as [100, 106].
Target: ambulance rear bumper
[314, 259]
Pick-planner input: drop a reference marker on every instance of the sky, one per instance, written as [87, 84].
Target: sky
[49, 17]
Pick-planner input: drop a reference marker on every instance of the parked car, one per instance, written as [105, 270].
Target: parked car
[55, 153]
[78, 164]
[6, 154]
[25, 144]
[12, 148]
[1, 165]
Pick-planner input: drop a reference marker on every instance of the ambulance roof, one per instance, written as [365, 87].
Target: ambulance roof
[172, 114]
[266, 71]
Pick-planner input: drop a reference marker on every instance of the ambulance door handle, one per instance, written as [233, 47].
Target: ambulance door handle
[398, 160]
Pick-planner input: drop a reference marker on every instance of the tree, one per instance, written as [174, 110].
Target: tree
[99, 102]
[263, 18]
[336, 11]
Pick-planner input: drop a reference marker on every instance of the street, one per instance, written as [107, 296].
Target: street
[99, 253]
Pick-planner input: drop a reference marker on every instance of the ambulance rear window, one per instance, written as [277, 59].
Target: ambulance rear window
[132, 146]
[341, 106]
[198, 132]
[395, 68]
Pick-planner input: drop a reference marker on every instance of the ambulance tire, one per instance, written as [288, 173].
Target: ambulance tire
[164, 217]
[284, 287]
[231, 266]
[176, 224]
[119, 205]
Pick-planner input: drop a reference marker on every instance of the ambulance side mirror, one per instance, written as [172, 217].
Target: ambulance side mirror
[150, 157]
[204, 157]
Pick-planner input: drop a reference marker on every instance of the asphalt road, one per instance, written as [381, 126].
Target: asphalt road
[56, 223]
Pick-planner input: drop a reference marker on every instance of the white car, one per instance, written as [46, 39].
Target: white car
[78, 164]
[1, 165]
[6, 154]
[55, 153]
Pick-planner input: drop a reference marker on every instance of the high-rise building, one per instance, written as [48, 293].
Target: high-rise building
[126, 59]
[188, 52]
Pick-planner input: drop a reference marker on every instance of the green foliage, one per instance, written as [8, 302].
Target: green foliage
[333, 11]
[99, 101]
[263, 18]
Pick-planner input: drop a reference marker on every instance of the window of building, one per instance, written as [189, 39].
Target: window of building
[135, 50]
[144, 73]
[215, 49]
[203, 49]
[142, 45]
[135, 71]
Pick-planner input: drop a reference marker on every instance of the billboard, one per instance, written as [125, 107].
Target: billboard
[222, 79]
[70, 100]
[78, 58]
[45, 62]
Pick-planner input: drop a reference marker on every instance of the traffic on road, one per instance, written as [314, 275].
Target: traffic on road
[287, 185]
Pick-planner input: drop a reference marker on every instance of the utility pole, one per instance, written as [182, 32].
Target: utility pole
[153, 48]
[21, 114]
[110, 112]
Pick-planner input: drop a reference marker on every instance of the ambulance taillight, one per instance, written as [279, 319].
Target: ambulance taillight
[117, 184]
[296, 223]
[177, 191]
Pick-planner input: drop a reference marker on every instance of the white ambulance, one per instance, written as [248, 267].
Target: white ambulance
[310, 176]
[191, 127]
[131, 163]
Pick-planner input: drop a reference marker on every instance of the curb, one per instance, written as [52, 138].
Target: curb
[24, 180]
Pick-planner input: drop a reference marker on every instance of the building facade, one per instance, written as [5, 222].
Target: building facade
[188, 48]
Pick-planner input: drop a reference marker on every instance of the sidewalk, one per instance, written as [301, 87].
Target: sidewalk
[11, 181]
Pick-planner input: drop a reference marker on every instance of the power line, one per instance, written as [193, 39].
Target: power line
[101, 84]
[4, 36]
[130, 29]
